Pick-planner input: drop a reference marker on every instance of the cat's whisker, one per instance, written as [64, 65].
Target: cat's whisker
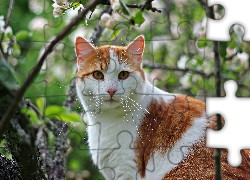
[127, 106]
[140, 106]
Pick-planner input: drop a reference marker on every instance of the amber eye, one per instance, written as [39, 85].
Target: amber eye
[98, 75]
[123, 75]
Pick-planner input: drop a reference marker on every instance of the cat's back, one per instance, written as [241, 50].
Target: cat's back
[172, 142]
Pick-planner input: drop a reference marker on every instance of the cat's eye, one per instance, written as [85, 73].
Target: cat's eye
[123, 75]
[98, 75]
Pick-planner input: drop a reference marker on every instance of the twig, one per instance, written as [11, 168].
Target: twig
[217, 151]
[7, 116]
[160, 66]
[141, 6]
[5, 26]
[217, 64]
[202, 2]
[32, 106]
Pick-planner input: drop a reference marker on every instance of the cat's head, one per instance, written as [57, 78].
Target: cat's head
[111, 74]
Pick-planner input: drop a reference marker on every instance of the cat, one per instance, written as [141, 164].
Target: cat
[137, 131]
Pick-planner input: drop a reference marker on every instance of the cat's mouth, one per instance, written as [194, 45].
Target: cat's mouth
[111, 100]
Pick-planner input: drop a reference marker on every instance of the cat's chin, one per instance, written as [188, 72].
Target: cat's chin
[111, 103]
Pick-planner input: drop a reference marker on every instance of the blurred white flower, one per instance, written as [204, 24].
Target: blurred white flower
[57, 12]
[110, 24]
[8, 30]
[61, 2]
[59, 7]
[231, 51]
[37, 23]
[104, 18]
[243, 57]
[113, 2]
[2, 23]
[116, 6]
[36, 6]
[181, 64]
[184, 80]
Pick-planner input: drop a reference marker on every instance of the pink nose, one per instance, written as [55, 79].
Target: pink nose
[111, 92]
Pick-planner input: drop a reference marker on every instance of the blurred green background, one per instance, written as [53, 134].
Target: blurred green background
[175, 43]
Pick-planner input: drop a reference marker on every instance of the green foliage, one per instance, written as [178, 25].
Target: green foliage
[32, 115]
[40, 103]
[7, 75]
[124, 8]
[139, 19]
[23, 35]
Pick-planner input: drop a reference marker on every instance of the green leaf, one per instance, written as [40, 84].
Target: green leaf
[32, 114]
[85, 22]
[139, 19]
[7, 75]
[23, 35]
[114, 34]
[54, 110]
[16, 51]
[222, 49]
[202, 43]
[124, 8]
[71, 117]
[40, 102]
[61, 113]
[75, 5]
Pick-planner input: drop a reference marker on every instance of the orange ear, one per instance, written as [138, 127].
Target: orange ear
[136, 47]
[83, 49]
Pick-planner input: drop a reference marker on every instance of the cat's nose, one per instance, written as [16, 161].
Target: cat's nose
[111, 92]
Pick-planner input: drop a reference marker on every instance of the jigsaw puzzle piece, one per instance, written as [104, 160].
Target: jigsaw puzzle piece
[235, 111]
[219, 29]
[187, 51]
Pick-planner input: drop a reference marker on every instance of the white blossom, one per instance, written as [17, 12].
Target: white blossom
[116, 6]
[2, 23]
[37, 23]
[185, 82]
[59, 7]
[8, 30]
[57, 12]
[104, 18]
[110, 24]
[113, 2]
[181, 64]
[243, 56]
[36, 6]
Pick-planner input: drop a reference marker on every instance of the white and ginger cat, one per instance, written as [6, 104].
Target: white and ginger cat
[137, 131]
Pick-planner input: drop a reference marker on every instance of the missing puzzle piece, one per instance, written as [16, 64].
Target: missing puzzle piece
[235, 13]
[236, 113]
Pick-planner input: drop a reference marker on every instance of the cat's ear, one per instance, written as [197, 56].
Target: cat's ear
[83, 49]
[136, 47]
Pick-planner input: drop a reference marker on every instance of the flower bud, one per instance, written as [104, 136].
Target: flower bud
[57, 12]
[104, 18]
[116, 6]
[110, 24]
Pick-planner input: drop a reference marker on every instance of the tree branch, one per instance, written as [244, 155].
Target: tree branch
[20, 141]
[9, 113]
[142, 7]
[5, 26]
[160, 66]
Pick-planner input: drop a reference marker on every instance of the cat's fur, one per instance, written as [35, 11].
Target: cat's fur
[137, 131]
